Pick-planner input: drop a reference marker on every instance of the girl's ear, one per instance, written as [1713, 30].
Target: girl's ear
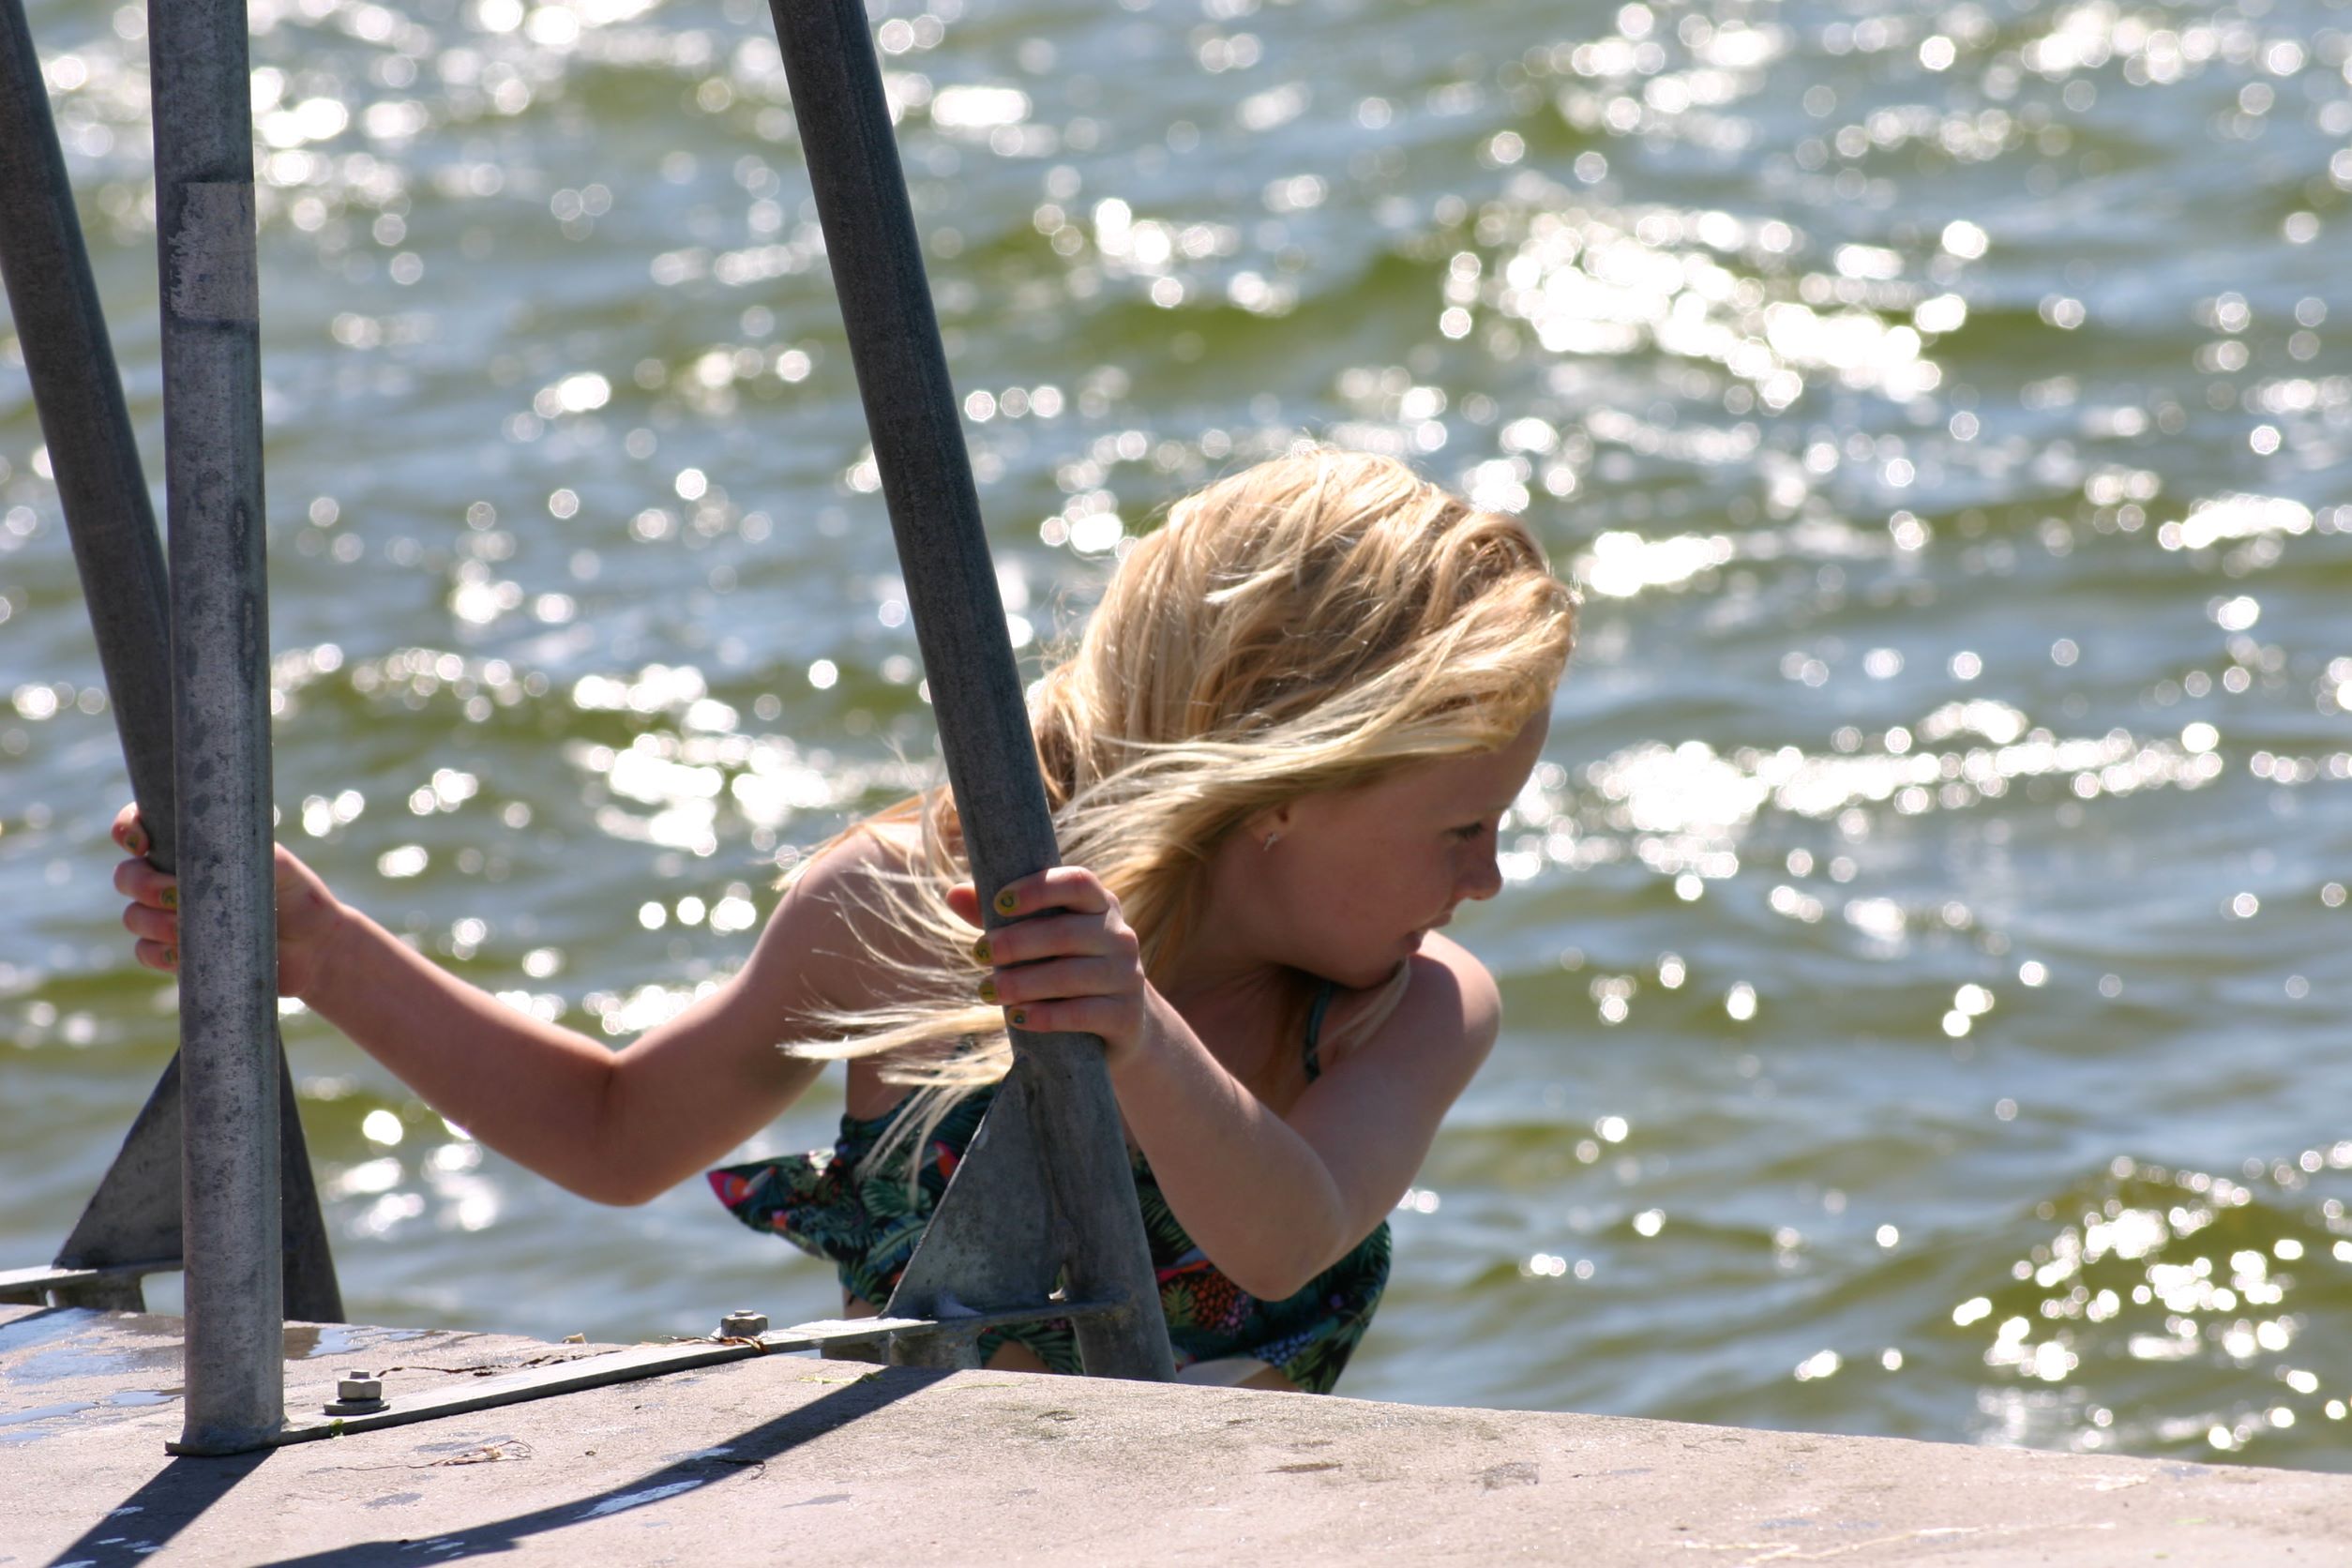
[1267, 828]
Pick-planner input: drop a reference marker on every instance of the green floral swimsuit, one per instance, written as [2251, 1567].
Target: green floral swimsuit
[869, 1227]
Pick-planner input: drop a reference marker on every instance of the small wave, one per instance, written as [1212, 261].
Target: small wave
[2180, 1311]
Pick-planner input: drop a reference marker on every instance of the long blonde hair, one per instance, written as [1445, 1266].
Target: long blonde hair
[1312, 622]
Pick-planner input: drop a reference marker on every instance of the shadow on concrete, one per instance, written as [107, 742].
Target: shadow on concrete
[170, 1501]
[755, 1447]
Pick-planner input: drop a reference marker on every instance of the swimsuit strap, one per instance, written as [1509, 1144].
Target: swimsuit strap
[1315, 1029]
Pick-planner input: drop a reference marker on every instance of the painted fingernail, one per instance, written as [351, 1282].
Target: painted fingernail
[1020, 1017]
[980, 951]
[171, 957]
[171, 898]
[135, 841]
[987, 991]
[1007, 902]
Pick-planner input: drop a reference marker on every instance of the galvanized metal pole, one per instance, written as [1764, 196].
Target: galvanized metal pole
[912, 415]
[212, 439]
[134, 1216]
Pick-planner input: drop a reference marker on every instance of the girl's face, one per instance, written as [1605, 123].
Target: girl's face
[1354, 879]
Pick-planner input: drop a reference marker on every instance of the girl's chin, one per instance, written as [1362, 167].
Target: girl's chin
[1366, 972]
[1380, 972]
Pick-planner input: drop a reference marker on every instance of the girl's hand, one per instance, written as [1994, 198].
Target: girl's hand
[1068, 963]
[308, 916]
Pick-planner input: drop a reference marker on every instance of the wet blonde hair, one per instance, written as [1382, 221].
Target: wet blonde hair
[1313, 622]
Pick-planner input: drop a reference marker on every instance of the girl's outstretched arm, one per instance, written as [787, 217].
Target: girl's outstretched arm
[619, 1127]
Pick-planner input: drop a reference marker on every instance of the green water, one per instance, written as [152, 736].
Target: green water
[1925, 946]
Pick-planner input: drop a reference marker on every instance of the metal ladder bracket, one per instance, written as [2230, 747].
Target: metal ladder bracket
[131, 1224]
[991, 1244]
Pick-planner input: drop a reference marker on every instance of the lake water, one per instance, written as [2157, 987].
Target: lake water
[1925, 949]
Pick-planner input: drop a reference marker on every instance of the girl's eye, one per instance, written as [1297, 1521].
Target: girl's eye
[1470, 832]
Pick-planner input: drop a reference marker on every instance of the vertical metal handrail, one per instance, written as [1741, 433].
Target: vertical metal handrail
[212, 437]
[958, 614]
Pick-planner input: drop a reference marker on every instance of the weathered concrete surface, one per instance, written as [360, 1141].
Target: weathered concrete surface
[797, 1460]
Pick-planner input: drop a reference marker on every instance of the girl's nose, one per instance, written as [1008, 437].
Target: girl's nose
[1483, 877]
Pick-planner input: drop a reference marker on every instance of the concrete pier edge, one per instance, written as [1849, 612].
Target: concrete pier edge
[796, 1459]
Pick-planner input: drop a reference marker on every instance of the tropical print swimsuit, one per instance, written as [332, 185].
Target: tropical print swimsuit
[869, 1225]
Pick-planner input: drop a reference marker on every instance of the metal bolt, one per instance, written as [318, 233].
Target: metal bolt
[742, 1323]
[356, 1394]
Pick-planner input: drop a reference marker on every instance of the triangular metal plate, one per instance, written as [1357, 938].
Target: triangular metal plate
[993, 1244]
[134, 1216]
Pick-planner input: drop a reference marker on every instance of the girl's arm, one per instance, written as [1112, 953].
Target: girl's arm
[619, 1127]
[1275, 1200]
[1272, 1200]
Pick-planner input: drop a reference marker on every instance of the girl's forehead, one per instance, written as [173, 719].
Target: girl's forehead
[1482, 780]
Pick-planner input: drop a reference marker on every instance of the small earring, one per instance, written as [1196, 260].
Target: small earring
[1272, 836]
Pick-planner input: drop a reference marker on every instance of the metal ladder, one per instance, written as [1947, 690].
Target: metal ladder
[133, 1225]
[1040, 1219]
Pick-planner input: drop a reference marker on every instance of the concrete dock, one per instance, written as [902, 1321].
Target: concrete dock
[790, 1459]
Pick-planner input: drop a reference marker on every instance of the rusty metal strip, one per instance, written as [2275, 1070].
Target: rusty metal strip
[653, 1361]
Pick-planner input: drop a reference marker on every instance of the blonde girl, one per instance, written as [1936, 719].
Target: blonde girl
[1278, 759]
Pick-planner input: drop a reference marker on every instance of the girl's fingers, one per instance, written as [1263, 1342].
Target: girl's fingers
[1060, 979]
[1054, 935]
[136, 879]
[152, 916]
[1065, 887]
[128, 831]
[152, 925]
[1099, 1015]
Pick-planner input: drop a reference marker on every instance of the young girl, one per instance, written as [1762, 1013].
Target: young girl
[1277, 761]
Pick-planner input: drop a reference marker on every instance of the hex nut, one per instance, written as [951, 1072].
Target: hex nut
[359, 1388]
[742, 1323]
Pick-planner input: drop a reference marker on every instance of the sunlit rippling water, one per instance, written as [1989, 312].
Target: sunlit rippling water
[1924, 944]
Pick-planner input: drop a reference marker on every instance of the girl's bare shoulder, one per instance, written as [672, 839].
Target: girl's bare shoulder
[845, 906]
[1446, 971]
[852, 865]
[1441, 1005]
